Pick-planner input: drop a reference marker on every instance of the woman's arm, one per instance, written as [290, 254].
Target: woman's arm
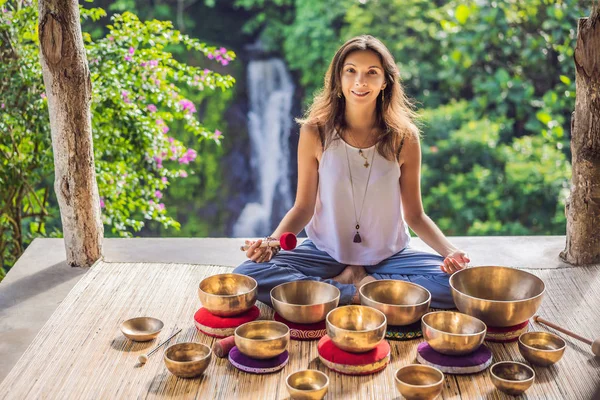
[412, 206]
[308, 180]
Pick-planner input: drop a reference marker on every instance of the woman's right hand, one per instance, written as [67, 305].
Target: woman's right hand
[258, 254]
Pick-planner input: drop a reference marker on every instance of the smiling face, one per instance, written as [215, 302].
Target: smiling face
[362, 77]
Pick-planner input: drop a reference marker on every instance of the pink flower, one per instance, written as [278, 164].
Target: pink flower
[125, 96]
[171, 140]
[43, 95]
[225, 62]
[164, 179]
[191, 154]
[128, 58]
[151, 108]
[223, 50]
[111, 38]
[210, 56]
[206, 70]
[184, 160]
[165, 129]
[161, 206]
[102, 205]
[153, 63]
[2, 105]
[131, 51]
[433, 149]
[183, 174]
[217, 134]
[187, 105]
[158, 194]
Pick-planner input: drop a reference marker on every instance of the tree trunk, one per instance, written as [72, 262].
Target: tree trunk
[583, 206]
[69, 93]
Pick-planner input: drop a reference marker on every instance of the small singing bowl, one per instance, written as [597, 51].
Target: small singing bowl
[403, 303]
[356, 328]
[541, 348]
[308, 384]
[419, 382]
[512, 377]
[499, 296]
[304, 302]
[188, 359]
[227, 295]
[141, 329]
[453, 333]
[262, 339]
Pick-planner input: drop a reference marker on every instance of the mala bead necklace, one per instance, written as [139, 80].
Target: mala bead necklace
[357, 238]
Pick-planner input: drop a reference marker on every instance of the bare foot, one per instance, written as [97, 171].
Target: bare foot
[352, 274]
[364, 280]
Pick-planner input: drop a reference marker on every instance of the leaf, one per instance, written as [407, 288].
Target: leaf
[462, 14]
[565, 79]
[543, 117]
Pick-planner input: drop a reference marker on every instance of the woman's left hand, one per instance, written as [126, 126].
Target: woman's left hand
[455, 261]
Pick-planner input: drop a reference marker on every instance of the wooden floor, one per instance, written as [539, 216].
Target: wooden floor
[80, 353]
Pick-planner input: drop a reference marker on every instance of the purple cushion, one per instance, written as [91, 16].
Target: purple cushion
[255, 366]
[472, 363]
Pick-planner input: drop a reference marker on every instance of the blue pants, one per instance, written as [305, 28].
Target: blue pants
[306, 262]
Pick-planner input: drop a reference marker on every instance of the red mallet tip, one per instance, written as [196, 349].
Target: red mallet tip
[288, 241]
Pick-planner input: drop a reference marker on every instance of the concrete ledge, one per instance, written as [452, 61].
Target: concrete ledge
[41, 279]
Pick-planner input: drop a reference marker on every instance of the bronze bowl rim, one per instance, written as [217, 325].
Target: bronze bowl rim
[419, 386]
[452, 278]
[337, 297]
[561, 348]
[145, 333]
[262, 321]
[360, 292]
[453, 333]
[353, 330]
[228, 295]
[326, 385]
[527, 367]
[208, 355]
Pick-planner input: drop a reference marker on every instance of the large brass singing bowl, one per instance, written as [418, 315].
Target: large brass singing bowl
[403, 303]
[142, 329]
[187, 360]
[453, 333]
[541, 348]
[227, 295]
[304, 302]
[499, 296]
[356, 328]
[262, 339]
[512, 377]
[308, 384]
[419, 382]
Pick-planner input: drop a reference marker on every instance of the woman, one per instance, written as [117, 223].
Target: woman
[359, 172]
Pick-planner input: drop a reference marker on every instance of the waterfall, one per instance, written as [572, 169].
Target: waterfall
[270, 90]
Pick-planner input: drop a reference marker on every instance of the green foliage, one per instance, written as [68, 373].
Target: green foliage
[140, 112]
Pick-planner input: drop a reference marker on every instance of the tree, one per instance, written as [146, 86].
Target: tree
[583, 206]
[69, 92]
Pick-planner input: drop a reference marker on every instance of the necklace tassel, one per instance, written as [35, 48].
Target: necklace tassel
[357, 238]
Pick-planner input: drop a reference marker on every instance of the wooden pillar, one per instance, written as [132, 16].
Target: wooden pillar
[583, 205]
[69, 93]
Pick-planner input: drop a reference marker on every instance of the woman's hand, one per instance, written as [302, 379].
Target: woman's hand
[259, 254]
[455, 261]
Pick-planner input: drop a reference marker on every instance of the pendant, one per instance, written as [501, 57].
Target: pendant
[366, 164]
[357, 238]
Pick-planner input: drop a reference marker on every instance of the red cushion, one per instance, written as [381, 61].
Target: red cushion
[203, 317]
[330, 352]
[506, 333]
[304, 331]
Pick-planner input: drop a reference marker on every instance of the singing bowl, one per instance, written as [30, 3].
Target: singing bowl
[453, 333]
[308, 384]
[403, 303]
[187, 360]
[262, 339]
[141, 329]
[541, 348]
[227, 295]
[356, 328]
[512, 377]
[419, 382]
[304, 302]
[499, 296]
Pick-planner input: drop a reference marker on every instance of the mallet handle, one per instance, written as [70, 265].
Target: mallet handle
[270, 243]
[541, 320]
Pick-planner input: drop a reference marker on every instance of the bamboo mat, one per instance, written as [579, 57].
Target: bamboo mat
[81, 353]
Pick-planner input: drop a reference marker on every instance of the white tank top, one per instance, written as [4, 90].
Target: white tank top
[382, 227]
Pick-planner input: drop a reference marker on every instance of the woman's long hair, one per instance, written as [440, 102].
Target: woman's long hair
[395, 116]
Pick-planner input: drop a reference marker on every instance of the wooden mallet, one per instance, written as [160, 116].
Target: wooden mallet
[287, 241]
[595, 344]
